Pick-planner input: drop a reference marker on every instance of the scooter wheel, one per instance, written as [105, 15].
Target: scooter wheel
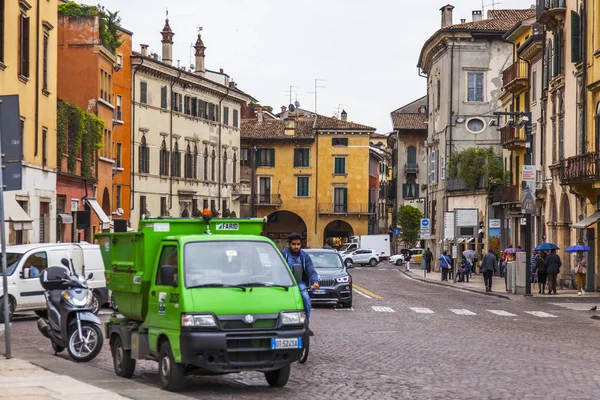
[88, 348]
[57, 349]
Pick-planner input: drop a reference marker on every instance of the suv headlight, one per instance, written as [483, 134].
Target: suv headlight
[198, 321]
[343, 279]
[293, 318]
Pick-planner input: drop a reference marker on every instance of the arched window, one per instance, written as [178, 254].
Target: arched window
[205, 163]
[213, 166]
[164, 159]
[224, 165]
[176, 161]
[195, 167]
[144, 156]
[188, 163]
[234, 167]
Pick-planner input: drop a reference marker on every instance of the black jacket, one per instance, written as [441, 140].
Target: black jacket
[540, 266]
[553, 262]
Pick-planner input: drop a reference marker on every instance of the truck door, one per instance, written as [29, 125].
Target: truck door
[163, 303]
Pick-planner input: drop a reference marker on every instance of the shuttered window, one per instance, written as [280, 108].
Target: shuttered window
[24, 40]
[265, 157]
[143, 92]
[163, 98]
[236, 122]
[339, 142]
[576, 36]
[45, 63]
[302, 186]
[226, 115]
[340, 165]
[475, 86]
[301, 158]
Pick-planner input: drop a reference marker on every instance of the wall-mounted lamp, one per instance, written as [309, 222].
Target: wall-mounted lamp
[460, 120]
[523, 121]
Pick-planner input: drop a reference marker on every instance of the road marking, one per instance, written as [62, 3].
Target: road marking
[365, 291]
[462, 311]
[382, 269]
[502, 313]
[541, 314]
[343, 309]
[382, 309]
[358, 268]
[422, 310]
[362, 294]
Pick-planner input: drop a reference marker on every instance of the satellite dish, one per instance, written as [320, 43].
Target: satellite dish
[291, 108]
[297, 103]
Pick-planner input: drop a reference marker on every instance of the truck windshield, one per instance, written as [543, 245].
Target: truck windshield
[234, 264]
[12, 260]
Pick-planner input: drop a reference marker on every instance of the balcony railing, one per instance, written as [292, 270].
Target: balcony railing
[410, 191]
[549, 9]
[516, 77]
[510, 194]
[539, 180]
[459, 185]
[511, 137]
[580, 169]
[349, 208]
[411, 168]
[241, 189]
[267, 199]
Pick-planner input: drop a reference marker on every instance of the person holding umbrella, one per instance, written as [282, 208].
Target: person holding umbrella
[553, 263]
[580, 267]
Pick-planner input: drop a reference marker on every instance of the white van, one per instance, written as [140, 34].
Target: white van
[25, 262]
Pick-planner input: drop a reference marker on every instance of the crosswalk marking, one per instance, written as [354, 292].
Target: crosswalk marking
[540, 314]
[462, 311]
[502, 313]
[422, 310]
[383, 309]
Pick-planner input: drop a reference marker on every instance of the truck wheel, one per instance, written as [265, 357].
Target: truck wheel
[373, 262]
[172, 375]
[96, 303]
[11, 309]
[278, 378]
[123, 363]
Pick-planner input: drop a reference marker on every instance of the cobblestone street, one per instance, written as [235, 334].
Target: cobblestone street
[403, 339]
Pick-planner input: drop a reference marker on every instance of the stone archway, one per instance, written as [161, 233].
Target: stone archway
[553, 221]
[185, 213]
[280, 224]
[106, 203]
[337, 233]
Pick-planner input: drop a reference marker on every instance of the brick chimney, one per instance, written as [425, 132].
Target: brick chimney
[200, 48]
[344, 116]
[477, 15]
[167, 43]
[447, 15]
[259, 114]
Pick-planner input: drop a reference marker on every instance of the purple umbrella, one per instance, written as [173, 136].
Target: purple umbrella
[512, 250]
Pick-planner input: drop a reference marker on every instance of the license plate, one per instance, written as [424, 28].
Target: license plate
[278, 344]
[319, 291]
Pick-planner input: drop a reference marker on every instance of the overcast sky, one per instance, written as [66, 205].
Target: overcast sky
[365, 52]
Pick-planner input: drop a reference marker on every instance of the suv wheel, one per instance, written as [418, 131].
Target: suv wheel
[373, 262]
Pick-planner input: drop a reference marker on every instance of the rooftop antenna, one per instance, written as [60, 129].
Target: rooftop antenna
[339, 107]
[493, 4]
[289, 92]
[317, 87]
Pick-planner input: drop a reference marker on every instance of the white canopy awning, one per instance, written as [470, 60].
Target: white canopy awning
[584, 223]
[99, 212]
[14, 213]
[66, 218]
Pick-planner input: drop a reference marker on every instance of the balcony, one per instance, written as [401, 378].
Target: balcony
[512, 138]
[410, 191]
[516, 77]
[267, 200]
[241, 189]
[510, 194]
[580, 169]
[458, 185]
[550, 10]
[540, 181]
[345, 209]
[411, 168]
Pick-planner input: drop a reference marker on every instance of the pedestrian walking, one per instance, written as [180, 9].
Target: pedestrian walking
[488, 265]
[553, 263]
[534, 258]
[580, 270]
[407, 260]
[541, 271]
[428, 259]
[444, 265]
[475, 265]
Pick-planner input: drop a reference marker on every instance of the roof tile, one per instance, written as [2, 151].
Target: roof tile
[409, 121]
[337, 124]
[498, 20]
[274, 129]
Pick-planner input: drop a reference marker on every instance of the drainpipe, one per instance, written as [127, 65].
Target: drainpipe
[173, 82]
[132, 152]
[220, 148]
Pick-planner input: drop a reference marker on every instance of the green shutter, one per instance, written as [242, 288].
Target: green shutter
[345, 199]
[180, 109]
[272, 157]
[163, 97]
[575, 37]
[556, 56]
[296, 158]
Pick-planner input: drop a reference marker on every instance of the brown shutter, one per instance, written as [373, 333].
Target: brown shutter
[45, 73]
[26, 41]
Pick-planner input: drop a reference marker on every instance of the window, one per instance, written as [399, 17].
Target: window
[119, 60]
[411, 158]
[213, 207]
[224, 209]
[195, 211]
[163, 98]
[264, 185]
[211, 111]
[145, 157]
[143, 207]
[340, 200]
[188, 164]
[340, 166]
[205, 164]
[236, 123]
[143, 92]
[302, 186]
[163, 207]
[339, 142]
[225, 166]
[226, 115]
[245, 157]
[1, 31]
[205, 204]
[24, 53]
[534, 87]
[168, 256]
[44, 147]
[106, 150]
[37, 263]
[186, 105]
[234, 167]
[202, 109]
[119, 111]
[118, 159]
[439, 95]
[195, 166]
[118, 196]
[213, 164]
[105, 86]
[164, 159]
[46, 54]
[176, 157]
[194, 107]
[301, 158]
[475, 125]
[576, 37]
[265, 158]
[475, 86]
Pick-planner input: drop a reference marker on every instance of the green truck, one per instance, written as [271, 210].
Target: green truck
[202, 297]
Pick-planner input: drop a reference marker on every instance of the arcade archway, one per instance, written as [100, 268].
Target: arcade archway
[337, 233]
[280, 224]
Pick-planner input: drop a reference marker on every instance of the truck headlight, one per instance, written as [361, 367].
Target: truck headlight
[198, 320]
[293, 318]
[343, 279]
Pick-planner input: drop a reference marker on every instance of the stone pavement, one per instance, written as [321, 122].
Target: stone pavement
[21, 380]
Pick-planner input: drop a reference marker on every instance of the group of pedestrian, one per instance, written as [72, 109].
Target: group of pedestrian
[547, 268]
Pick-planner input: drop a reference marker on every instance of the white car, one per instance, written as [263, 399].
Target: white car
[397, 259]
[362, 257]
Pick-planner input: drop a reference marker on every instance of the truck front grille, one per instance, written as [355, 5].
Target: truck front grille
[240, 324]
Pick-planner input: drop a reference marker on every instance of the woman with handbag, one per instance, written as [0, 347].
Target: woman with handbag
[580, 271]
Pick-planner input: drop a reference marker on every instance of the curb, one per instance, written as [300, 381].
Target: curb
[416, 278]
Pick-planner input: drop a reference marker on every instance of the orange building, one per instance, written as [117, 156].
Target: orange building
[86, 70]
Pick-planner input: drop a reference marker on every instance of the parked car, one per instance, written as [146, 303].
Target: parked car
[334, 280]
[416, 256]
[362, 257]
[397, 259]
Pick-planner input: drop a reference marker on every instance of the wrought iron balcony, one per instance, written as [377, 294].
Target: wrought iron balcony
[345, 209]
[411, 168]
[241, 189]
[510, 194]
[583, 168]
[516, 77]
[548, 10]
[410, 191]
[268, 200]
[459, 185]
[512, 138]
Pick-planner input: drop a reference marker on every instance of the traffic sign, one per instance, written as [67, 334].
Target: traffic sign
[396, 231]
[425, 229]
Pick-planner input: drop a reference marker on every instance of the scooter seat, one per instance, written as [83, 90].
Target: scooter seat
[55, 297]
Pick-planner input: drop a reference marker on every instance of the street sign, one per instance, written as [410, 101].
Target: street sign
[454, 251]
[396, 231]
[495, 224]
[467, 217]
[74, 206]
[449, 225]
[425, 229]
[528, 189]
[10, 137]
[523, 221]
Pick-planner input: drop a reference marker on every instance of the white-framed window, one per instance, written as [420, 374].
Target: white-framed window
[443, 168]
[475, 86]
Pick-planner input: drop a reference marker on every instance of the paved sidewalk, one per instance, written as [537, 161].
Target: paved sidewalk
[476, 285]
[22, 380]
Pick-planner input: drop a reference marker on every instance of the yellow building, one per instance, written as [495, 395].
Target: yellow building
[311, 176]
[28, 58]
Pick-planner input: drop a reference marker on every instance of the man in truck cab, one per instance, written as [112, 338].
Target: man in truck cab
[294, 254]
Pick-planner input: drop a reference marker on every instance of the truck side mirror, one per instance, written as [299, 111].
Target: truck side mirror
[65, 262]
[167, 275]
[298, 271]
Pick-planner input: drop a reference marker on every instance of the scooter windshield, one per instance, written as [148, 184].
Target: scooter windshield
[76, 259]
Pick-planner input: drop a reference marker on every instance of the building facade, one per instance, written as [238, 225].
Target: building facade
[28, 62]
[380, 167]
[186, 136]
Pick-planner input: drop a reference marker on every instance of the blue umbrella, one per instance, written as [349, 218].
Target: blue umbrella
[546, 247]
[576, 248]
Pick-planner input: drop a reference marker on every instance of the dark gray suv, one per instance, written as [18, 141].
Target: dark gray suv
[334, 280]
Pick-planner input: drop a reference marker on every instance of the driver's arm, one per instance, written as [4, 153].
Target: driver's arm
[311, 272]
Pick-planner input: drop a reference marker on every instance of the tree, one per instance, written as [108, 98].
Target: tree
[408, 218]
